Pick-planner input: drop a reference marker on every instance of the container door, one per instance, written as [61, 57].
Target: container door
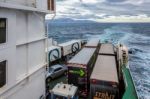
[78, 77]
[103, 92]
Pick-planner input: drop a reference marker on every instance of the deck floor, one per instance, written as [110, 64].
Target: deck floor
[52, 83]
[60, 79]
[63, 79]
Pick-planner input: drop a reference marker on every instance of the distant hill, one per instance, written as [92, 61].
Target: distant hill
[68, 20]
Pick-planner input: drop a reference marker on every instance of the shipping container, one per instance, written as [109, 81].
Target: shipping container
[107, 49]
[93, 43]
[104, 79]
[54, 53]
[70, 47]
[80, 68]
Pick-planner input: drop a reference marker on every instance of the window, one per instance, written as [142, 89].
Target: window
[2, 73]
[2, 30]
[51, 5]
[58, 69]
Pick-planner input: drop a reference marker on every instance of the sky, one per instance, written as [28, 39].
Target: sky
[103, 10]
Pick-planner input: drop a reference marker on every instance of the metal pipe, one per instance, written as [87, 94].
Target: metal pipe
[47, 28]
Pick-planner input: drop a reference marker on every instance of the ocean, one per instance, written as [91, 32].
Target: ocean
[134, 35]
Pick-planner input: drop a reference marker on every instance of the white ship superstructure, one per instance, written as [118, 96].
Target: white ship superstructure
[22, 48]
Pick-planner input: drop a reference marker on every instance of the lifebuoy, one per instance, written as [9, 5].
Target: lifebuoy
[75, 47]
[54, 55]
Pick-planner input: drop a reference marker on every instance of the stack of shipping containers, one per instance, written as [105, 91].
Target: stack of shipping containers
[104, 79]
[81, 66]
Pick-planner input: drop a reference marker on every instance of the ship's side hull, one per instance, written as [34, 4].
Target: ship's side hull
[24, 53]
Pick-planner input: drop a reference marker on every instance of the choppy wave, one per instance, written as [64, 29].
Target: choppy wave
[139, 59]
[135, 36]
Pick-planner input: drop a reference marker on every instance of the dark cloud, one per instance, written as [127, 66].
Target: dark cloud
[87, 10]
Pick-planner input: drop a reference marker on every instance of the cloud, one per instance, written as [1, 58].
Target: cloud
[101, 9]
[90, 1]
[125, 18]
[115, 0]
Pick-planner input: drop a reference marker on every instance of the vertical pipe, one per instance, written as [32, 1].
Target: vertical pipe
[47, 28]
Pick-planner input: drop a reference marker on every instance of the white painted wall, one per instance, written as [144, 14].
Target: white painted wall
[32, 88]
[21, 24]
[39, 4]
[31, 3]
[25, 54]
[36, 55]
[8, 49]
[22, 68]
[11, 38]
[36, 26]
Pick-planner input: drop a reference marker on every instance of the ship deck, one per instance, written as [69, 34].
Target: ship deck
[63, 79]
[130, 88]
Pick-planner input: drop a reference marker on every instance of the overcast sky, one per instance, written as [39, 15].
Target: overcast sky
[99, 10]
